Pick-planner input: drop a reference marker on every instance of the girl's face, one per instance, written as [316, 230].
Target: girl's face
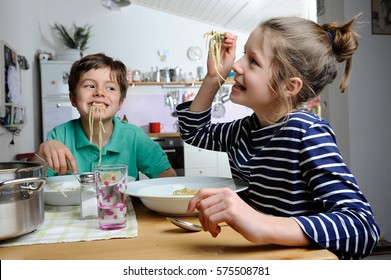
[97, 86]
[252, 76]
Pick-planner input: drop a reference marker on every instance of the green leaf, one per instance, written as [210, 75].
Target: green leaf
[78, 40]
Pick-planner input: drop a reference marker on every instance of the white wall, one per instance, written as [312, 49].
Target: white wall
[19, 27]
[360, 118]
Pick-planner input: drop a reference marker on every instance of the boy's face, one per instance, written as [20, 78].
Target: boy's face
[97, 86]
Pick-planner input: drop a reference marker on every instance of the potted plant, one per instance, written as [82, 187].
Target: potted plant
[76, 41]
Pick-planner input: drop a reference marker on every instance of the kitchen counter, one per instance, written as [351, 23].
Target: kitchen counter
[164, 134]
[158, 239]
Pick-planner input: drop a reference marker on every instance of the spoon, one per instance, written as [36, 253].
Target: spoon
[185, 225]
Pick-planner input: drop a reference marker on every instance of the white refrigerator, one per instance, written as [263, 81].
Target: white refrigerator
[56, 107]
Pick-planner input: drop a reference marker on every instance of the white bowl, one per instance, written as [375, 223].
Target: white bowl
[157, 194]
[64, 190]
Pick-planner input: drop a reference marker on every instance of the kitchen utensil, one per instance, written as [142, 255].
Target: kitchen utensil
[185, 225]
[21, 198]
[172, 99]
[218, 110]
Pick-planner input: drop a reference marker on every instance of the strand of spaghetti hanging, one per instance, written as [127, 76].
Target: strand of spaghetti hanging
[214, 41]
[97, 107]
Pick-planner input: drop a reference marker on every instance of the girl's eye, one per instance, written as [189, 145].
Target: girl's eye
[253, 61]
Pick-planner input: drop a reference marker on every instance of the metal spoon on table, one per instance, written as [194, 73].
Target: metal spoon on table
[189, 226]
[185, 225]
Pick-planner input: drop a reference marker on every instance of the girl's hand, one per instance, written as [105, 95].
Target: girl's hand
[227, 58]
[215, 76]
[57, 155]
[223, 205]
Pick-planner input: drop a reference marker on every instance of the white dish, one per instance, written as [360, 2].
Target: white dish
[157, 194]
[64, 190]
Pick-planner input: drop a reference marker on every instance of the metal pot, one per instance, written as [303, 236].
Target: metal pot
[22, 206]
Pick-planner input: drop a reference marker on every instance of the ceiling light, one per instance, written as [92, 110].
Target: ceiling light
[115, 4]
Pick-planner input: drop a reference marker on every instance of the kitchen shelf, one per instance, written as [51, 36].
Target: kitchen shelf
[171, 84]
[184, 84]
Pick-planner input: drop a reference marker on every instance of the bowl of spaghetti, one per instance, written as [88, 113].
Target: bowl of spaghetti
[170, 196]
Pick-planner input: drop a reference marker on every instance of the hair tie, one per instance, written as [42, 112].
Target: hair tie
[331, 36]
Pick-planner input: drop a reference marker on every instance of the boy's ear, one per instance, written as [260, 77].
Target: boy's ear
[293, 86]
[72, 99]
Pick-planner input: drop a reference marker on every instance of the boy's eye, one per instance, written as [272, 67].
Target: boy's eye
[109, 88]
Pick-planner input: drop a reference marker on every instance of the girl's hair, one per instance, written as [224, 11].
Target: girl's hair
[118, 71]
[309, 51]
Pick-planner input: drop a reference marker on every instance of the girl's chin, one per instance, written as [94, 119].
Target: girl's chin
[236, 98]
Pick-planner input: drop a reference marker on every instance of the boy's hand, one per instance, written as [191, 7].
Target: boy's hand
[57, 156]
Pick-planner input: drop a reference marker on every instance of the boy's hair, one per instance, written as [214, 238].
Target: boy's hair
[304, 49]
[118, 71]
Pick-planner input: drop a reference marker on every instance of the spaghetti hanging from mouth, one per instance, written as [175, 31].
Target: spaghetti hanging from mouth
[101, 108]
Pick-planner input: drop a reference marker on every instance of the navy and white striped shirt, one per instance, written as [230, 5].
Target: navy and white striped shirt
[294, 169]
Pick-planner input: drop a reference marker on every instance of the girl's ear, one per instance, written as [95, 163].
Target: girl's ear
[293, 86]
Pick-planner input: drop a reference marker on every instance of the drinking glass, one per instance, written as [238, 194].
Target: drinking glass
[111, 185]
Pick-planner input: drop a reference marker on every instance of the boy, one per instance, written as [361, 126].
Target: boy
[97, 88]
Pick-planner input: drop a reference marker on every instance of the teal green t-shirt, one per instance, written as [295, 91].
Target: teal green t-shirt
[127, 145]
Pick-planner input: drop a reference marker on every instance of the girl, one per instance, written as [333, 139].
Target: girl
[300, 192]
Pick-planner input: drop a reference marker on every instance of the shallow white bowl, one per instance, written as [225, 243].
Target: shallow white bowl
[157, 194]
[64, 190]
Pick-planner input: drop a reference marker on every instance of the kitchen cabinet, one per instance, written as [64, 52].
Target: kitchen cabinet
[56, 107]
[201, 162]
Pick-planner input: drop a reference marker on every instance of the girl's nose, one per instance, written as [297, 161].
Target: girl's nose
[237, 68]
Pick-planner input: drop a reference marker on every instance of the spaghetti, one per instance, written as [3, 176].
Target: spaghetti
[185, 191]
[214, 48]
[97, 107]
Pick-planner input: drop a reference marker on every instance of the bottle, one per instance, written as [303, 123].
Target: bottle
[157, 75]
[136, 76]
[88, 200]
[200, 73]
[125, 119]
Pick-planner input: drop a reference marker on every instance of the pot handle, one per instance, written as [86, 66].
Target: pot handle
[39, 180]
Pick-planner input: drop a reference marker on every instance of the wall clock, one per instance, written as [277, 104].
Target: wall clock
[194, 53]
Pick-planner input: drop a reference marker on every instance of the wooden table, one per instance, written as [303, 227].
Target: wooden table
[158, 239]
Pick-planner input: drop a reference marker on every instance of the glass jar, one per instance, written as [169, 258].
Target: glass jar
[88, 200]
